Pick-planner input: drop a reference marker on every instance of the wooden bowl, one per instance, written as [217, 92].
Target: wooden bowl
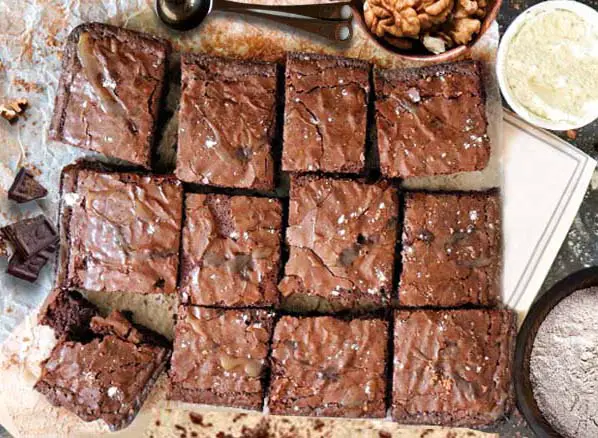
[425, 57]
[525, 340]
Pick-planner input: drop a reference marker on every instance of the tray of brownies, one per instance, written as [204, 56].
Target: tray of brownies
[248, 231]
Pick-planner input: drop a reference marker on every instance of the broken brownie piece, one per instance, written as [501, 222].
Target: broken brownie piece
[106, 378]
[25, 188]
[30, 236]
[109, 91]
[68, 313]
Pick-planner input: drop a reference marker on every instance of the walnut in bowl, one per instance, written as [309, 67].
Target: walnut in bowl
[424, 28]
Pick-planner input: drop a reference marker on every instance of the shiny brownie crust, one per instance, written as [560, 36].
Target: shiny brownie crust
[324, 366]
[227, 121]
[136, 63]
[341, 236]
[325, 114]
[220, 356]
[120, 232]
[451, 249]
[431, 120]
[231, 251]
[454, 367]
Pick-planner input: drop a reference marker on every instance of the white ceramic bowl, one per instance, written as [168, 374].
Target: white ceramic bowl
[588, 13]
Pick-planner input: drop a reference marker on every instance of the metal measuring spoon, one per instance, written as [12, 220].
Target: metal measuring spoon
[332, 21]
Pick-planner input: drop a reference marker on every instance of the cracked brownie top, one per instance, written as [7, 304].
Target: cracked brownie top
[341, 235]
[431, 120]
[124, 231]
[451, 249]
[452, 367]
[325, 113]
[227, 120]
[109, 91]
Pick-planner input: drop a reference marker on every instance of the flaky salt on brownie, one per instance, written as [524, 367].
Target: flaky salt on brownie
[463, 363]
[325, 113]
[220, 356]
[231, 251]
[341, 236]
[227, 122]
[451, 249]
[109, 91]
[431, 120]
[108, 377]
[120, 231]
[324, 366]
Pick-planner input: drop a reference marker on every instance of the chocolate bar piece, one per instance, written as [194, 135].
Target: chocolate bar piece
[25, 188]
[30, 236]
[29, 268]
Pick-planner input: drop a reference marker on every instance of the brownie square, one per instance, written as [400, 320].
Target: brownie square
[220, 356]
[325, 113]
[109, 91]
[324, 366]
[341, 236]
[451, 249]
[110, 376]
[227, 121]
[431, 120]
[68, 313]
[122, 231]
[231, 251]
[463, 363]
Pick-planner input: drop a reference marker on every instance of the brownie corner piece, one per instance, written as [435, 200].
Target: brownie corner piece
[107, 72]
[465, 383]
[341, 239]
[325, 366]
[121, 231]
[220, 356]
[116, 371]
[227, 122]
[68, 313]
[325, 116]
[452, 249]
[231, 251]
[431, 120]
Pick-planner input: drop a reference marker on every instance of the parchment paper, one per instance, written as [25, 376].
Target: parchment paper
[31, 38]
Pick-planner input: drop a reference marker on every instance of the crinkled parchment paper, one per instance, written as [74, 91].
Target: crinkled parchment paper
[31, 38]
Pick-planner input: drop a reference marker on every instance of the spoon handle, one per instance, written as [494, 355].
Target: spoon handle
[334, 11]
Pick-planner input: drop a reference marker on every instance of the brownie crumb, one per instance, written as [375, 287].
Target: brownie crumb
[198, 419]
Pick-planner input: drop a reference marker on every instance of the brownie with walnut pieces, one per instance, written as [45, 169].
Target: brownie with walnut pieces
[451, 249]
[324, 366]
[341, 236]
[227, 121]
[68, 313]
[325, 113]
[463, 363]
[220, 356]
[120, 231]
[109, 91]
[431, 120]
[231, 251]
[108, 377]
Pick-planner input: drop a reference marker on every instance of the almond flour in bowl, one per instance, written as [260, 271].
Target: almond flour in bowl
[563, 365]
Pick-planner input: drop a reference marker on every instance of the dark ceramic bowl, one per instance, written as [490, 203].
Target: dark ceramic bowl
[525, 341]
[453, 54]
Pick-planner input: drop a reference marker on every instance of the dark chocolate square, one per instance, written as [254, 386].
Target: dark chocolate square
[329, 367]
[431, 120]
[451, 250]
[227, 121]
[341, 236]
[325, 113]
[463, 363]
[30, 236]
[220, 356]
[29, 268]
[231, 251]
[25, 188]
[109, 91]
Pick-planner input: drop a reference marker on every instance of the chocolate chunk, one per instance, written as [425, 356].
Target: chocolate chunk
[30, 236]
[29, 269]
[25, 188]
